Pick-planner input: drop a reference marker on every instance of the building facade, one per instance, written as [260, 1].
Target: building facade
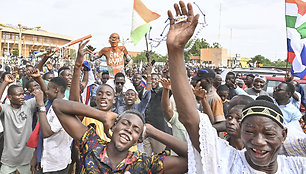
[27, 40]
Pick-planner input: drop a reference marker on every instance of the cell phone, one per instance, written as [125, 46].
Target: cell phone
[153, 62]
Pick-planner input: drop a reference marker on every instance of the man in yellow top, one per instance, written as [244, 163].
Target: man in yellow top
[115, 55]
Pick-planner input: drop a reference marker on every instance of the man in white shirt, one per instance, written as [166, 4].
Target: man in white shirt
[56, 153]
[262, 125]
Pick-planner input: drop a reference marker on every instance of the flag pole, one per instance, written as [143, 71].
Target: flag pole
[147, 45]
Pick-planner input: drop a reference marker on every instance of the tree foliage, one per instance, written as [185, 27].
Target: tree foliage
[198, 45]
[267, 62]
[153, 56]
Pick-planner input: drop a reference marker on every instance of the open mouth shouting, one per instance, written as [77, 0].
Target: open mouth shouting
[103, 103]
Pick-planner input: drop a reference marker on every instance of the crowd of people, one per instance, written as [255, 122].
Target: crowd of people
[148, 119]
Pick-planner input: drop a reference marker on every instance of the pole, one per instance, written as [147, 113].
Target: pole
[147, 53]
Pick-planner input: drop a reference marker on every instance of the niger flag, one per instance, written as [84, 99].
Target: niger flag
[141, 18]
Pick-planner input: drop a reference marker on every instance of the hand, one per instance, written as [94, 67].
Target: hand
[166, 83]
[149, 69]
[39, 96]
[198, 91]
[147, 133]
[109, 122]
[180, 33]
[49, 54]
[35, 73]
[49, 66]
[230, 84]
[9, 78]
[33, 164]
[81, 53]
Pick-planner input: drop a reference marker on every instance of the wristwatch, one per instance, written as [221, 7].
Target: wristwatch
[42, 109]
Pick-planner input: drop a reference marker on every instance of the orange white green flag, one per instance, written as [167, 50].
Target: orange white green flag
[141, 18]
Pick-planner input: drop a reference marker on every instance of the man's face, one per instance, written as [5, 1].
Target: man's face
[248, 80]
[114, 39]
[20, 72]
[233, 122]
[49, 77]
[217, 81]
[130, 97]
[33, 85]
[137, 79]
[155, 80]
[229, 79]
[119, 82]
[17, 96]
[259, 84]
[29, 70]
[67, 75]
[262, 139]
[205, 83]
[127, 132]
[280, 92]
[52, 91]
[105, 78]
[105, 98]
[223, 95]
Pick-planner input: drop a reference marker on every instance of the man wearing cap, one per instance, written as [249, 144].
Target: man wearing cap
[257, 89]
[258, 85]
[206, 76]
[262, 124]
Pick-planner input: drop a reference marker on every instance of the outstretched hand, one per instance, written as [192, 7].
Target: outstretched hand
[35, 73]
[81, 53]
[181, 32]
[9, 78]
[166, 83]
[199, 91]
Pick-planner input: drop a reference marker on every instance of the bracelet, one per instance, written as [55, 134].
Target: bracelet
[42, 109]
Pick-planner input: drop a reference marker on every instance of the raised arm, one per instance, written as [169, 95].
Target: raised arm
[35, 74]
[66, 112]
[44, 60]
[201, 93]
[75, 83]
[43, 121]
[165, 101]
[149, 77]
[9, 78]
[178, 36]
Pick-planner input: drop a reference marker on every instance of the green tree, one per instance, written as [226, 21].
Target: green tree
[196, 48]
[261, 60]
[15, 52]
[216, 45]
[153, 56]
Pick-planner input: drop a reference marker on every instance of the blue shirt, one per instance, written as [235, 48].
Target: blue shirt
[290, 113]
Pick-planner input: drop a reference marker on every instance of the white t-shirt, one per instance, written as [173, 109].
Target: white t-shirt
[56, 154]
[217, 156]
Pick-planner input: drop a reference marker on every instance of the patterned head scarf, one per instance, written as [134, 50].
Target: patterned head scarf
[264, 108]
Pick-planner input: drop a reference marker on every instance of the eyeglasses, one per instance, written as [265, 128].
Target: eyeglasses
[122, 83]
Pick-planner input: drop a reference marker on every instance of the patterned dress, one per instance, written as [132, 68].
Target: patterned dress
[94, 158]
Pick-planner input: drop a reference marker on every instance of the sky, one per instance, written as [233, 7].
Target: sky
[244, 27]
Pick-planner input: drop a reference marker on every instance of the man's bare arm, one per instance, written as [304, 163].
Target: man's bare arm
[178, 36]
[66, 112]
